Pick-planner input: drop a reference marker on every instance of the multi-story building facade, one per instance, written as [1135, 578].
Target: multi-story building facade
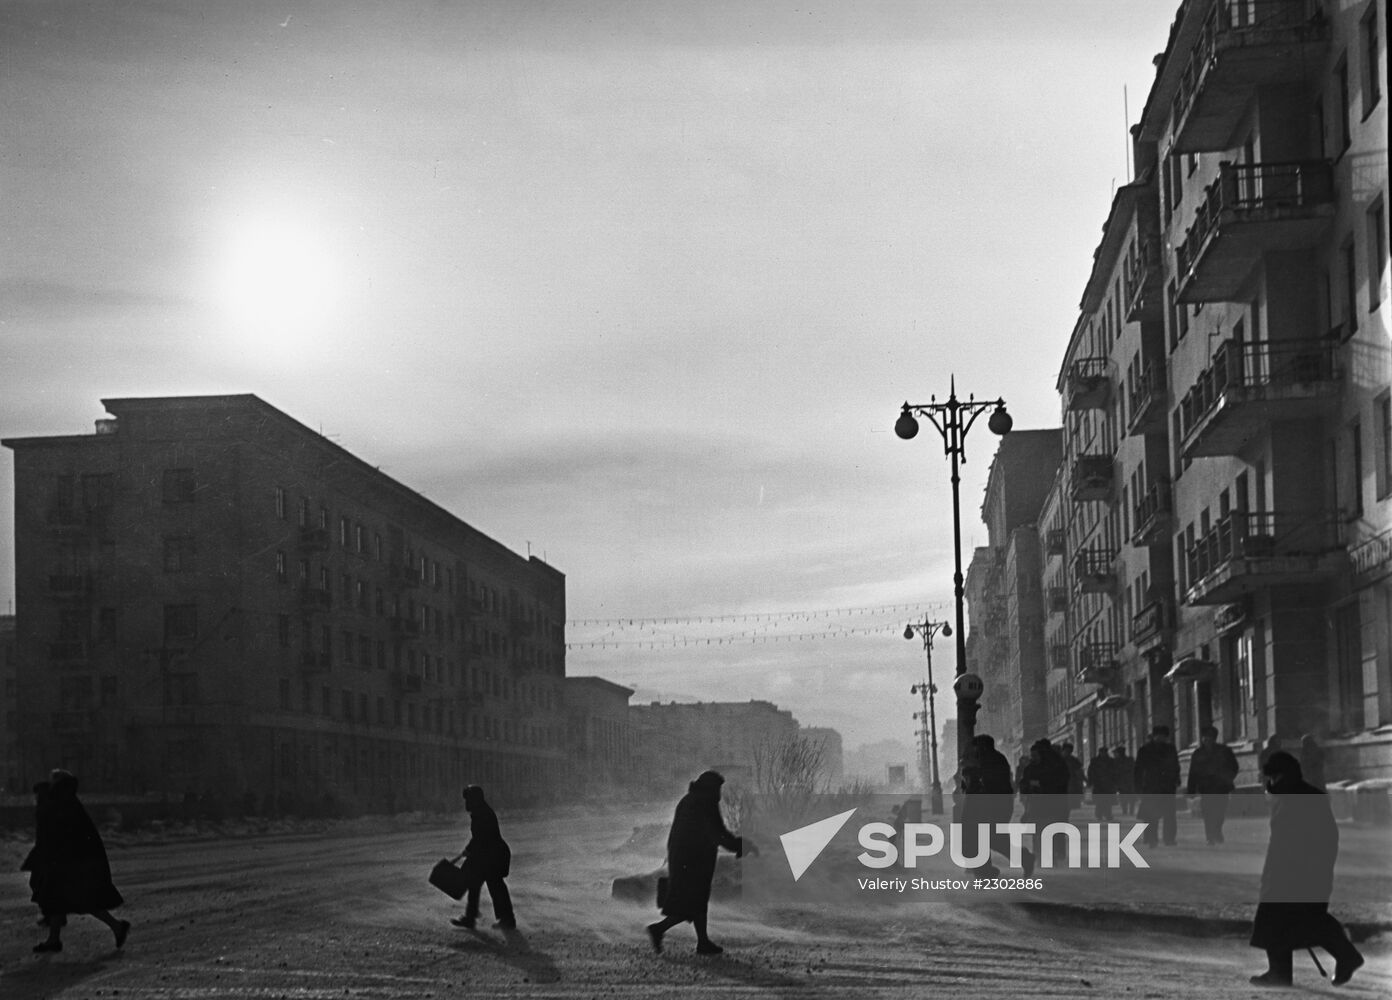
[213, 600]
[1005, 645]
[1226, 500]
[9, 708]
[599, 737]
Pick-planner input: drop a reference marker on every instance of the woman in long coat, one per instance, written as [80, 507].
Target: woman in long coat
[70, 870]
[698, 833]
[1298, 877]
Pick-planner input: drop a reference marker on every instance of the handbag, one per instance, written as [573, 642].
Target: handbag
[449, 879]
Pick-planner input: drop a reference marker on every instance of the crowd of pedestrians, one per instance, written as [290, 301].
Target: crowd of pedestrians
[70, 873]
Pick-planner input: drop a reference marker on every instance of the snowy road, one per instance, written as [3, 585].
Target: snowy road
[350, 915]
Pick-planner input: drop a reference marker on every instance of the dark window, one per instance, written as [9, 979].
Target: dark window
[180, 622]
[280, 566]
[1356, 469]
[178, 486]
[280, 502]
[1377, 253]
[1348, 258]
[1341, 74]
[283, 631]
[178, 554]
[1372, 72]
[98, 491]
[1383, 410]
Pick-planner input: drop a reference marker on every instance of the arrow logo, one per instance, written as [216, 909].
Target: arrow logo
[803, 845]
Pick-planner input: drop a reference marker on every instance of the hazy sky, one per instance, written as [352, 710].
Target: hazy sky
[639, 285]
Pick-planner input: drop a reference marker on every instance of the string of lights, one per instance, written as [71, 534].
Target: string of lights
[770, 616]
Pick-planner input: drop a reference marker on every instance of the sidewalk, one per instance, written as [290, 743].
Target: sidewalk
[1200, 890]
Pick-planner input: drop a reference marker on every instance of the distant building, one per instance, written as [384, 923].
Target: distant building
[676, 741]
[215, 601]
[833, 759]
[9, 708]
[1006, 643]
[600, 737]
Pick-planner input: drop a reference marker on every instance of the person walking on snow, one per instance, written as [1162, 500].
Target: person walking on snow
[487, 861]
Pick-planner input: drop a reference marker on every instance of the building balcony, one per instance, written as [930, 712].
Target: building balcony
[1229, 617]
[1092, 478]
[315, 598]
[1251, 385]
[1147, 401]
[1056, 600]
[1095, 570]
[1055, 542]
[1247, 552]
[403, 626]
[1145, 282]
[67, 651]
[1097, 663]
[406, 683]
[313, 662]
[1088, 385]
[1153, 516]
[314, 539]
[1244, 45]
[1153, 624]
[1251, 210]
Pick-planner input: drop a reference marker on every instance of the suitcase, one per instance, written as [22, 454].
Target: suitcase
[449, 879]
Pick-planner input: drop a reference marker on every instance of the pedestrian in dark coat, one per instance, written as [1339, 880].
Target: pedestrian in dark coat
[70, 871]
[1077, 779]
[1044, 789]
[990, 799]
[1212, 771]
[1273, 744]
[1312, 761]
[1124, 773]
[1101, 775]
[1157, 779]
[487, 861]
[698, 833]
[1298, 877]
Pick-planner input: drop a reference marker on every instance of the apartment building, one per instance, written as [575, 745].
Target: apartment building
[9, 708]
[600, 739]
[1225, 503]
[216, 602]
[1005, 644]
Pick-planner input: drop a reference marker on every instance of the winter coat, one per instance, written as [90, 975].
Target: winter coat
[1212, 770]
[1124, 774]
[1045, 788]
[70, 871]
[1101, 775]
[990, 794]
[1298, 875]
[1077, 781]
[1157, 768]
[698, 833]
[487, 854]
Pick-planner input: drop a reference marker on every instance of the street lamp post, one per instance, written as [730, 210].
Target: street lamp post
[929, 690]
[953, 418]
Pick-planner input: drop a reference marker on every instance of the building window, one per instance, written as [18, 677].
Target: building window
[1383, 411]
[180, 622]
[280, 502]
[303, 516]
[324, 518]
[358, 535]
[347, 646]
[178, 554]
[283, 630]
[1341, 81]
[98, 491]
[343, 532]
[1377, 253]
[1355, 470]
[178, 486]
[326, 640]
[1372, 71]
[1350, 265]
